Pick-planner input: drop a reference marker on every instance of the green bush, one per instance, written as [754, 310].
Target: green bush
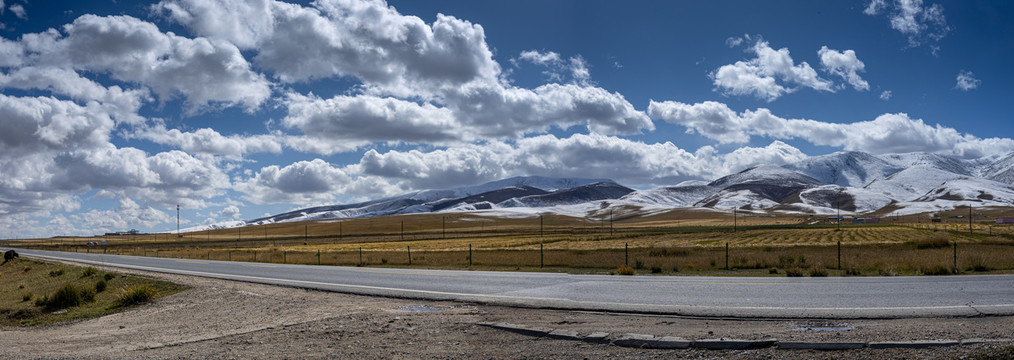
[108, 276]
[88, 271]
[625, 270]
[87, 295]
[100, 286]
[136, 295]
[66, 297]
[794, 272]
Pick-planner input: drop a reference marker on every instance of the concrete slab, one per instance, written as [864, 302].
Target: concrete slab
[563, 334]
[597, 337]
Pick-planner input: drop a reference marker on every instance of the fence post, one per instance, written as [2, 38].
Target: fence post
[839, 254]
[230, 255]
[255, 255]
[318, 256]
[542, 257]
[409, 255]
[955, 257]
[626, 254]
[360, 255]
[469, 255]
[284, 253]
[726, 256]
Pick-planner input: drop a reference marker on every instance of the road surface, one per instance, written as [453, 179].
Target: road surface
[745, 297]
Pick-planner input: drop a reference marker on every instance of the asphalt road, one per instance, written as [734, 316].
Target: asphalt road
[746, 297]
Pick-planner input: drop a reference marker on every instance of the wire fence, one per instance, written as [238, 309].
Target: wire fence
[814, 260]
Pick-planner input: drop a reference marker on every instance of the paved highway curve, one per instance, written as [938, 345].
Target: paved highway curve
[745, 297]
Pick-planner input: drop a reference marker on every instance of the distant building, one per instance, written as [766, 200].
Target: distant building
[1005, 220]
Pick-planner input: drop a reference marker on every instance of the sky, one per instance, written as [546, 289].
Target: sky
[113, 113]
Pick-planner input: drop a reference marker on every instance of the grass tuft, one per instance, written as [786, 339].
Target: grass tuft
[794, 272]
[88, 271]
[136, 295]
[625, 270]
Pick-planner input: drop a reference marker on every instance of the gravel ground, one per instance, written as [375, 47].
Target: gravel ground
[227, 319]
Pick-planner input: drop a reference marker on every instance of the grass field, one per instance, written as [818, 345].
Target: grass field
[685, 241]
[36, 293]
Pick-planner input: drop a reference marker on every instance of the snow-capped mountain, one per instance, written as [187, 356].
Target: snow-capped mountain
[853, 181]
[847, 168]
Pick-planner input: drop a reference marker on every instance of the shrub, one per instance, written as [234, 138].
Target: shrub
[773, 271]
[87, 295]
[55, 273]
[794, 272]
[977, 263]
[675, 269]
[638, 264]
[28, 268]
[108, 276]
[26, 298]
[936, 270]
[625, 270]
[818, 271]
[383, 261]
[100, 286]
[853, 271]
[656, 269]
[88, 271]
[64, 298]
[136, 295]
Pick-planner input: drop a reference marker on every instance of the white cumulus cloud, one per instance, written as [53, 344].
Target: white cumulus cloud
[844, 64]
[768, 76]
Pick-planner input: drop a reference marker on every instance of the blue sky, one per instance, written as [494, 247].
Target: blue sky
[114, 112]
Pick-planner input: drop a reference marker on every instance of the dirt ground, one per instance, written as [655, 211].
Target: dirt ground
[235, 320]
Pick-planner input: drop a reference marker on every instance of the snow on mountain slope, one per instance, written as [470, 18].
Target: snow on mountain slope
[829, 198]
[847, 168]
[538, 182]
[759, 187]
[1000, 170]
[936, 161]
[911, 183]
[671, 196]
[575, 195]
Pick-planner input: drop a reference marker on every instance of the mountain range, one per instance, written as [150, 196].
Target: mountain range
[856, 182]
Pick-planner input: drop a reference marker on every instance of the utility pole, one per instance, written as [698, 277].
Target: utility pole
[177, 220]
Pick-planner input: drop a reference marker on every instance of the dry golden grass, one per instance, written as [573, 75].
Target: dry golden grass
[694, 240]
